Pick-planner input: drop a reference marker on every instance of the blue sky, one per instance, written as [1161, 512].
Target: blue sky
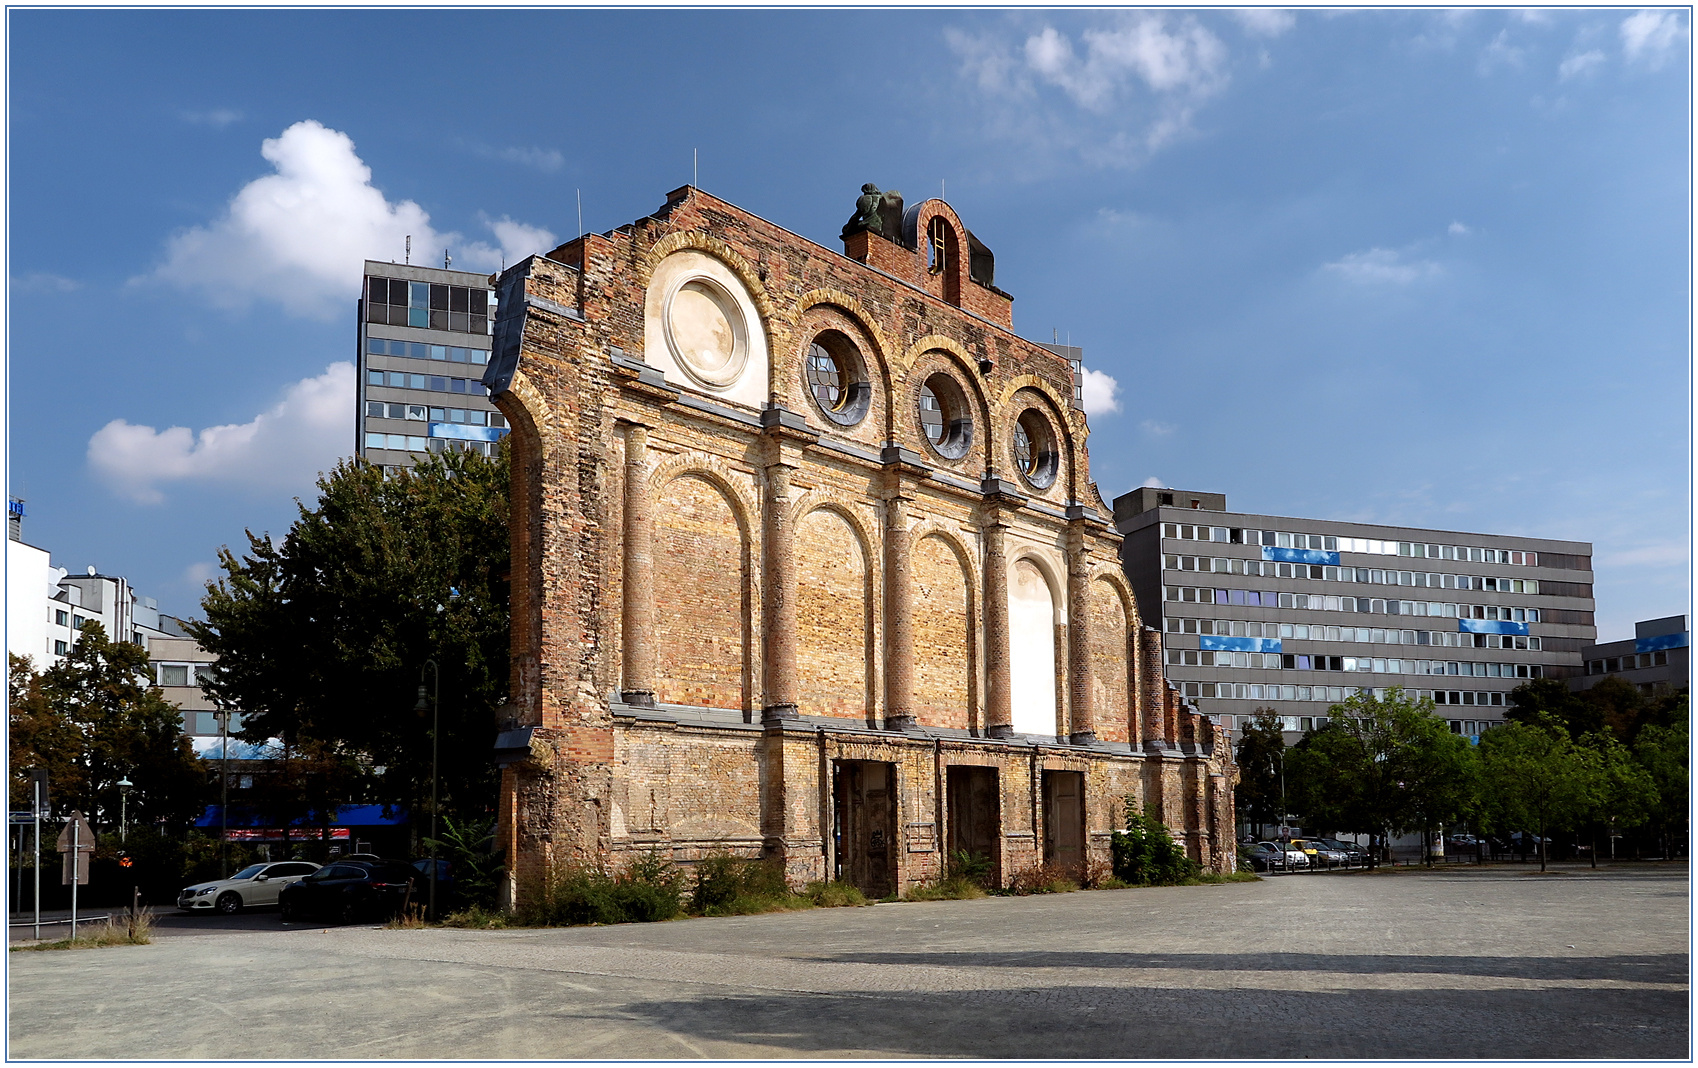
[1413, 267]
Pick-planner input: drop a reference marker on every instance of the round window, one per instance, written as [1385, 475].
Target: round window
[707, 333]
[944, 416]
[837, 379]
[1035, 454]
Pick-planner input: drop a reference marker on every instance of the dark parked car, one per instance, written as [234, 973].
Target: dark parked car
[1354, 854]
[350, 890]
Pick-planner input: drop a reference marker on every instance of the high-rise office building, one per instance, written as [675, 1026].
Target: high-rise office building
[1293, 615]
[424, 339]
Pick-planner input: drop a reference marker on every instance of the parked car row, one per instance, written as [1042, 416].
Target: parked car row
[1305, 854]
[346, 890]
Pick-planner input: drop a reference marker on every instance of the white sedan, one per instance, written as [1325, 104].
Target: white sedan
[256, 884]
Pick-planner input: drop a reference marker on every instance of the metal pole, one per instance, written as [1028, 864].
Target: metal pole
[76, 858]
[224, 793]
[35, 865]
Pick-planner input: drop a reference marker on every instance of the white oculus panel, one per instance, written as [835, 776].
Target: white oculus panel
[701, 330]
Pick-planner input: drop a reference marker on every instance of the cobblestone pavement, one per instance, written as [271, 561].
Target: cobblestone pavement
[1450, 964]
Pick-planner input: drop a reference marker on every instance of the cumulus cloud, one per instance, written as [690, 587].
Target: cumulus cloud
[1266, 21]
[198, 574]
[1113, 93]
[1649, 36]
[1381, 266]
[1100, 393]
[1500, 53]
[1580, 63]
[547, 160]
[1157, 429]
[1152, 483]
[1460, 229]
[298, 236]
[282, 448]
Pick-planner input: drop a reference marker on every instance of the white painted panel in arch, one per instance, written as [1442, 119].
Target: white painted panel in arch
[1031, 649]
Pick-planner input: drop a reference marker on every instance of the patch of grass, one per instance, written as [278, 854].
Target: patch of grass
[1210, 878]
[478, 918]
[835, 895]
[117, 931]
[1043, 879]
[964, 877]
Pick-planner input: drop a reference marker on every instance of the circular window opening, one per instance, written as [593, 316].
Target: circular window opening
[944, 418]
[837, 380]
[707, 332]
[1035, 455]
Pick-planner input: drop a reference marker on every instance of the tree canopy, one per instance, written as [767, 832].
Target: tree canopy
[322, 639]
[1261, 749]
[94, 719]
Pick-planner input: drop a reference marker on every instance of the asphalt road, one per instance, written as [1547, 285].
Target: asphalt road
[1452, 964]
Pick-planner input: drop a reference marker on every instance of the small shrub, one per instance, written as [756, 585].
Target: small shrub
[1145, 854]
[835, 895]
[1097, 874]
[648, 889]
[1043, 879]
[726, 885]
[965, 876]
[477, 918]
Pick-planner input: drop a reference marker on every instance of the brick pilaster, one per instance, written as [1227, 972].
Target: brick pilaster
[779, 585]
[636, 634]
[898, 614]
[1082, 715]
[999, 708]
[1153, 693]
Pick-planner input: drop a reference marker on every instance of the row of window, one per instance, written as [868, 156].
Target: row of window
[178, 674]
[63, 618]
[415, 443]
[1237, 628]
[1307, 723]
[434, 383]
[1328, 603]
[1380, 665]
[1630, 662]
[207, 723]
[412, 350]
[423, 413]
[1242, 691]
[1271, 569]
[428, 305]
[1331, 544]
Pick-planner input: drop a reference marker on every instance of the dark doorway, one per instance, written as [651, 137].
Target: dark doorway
[864, 825]
[975, 817]
[1064, 819]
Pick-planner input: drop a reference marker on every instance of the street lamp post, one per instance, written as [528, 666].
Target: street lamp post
[124, 785]
[223, 718]
[435, 704]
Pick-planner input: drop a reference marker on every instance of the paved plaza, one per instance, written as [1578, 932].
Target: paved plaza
[1499, 963]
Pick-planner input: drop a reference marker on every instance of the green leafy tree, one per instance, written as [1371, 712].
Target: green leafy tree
[1663, 751]
[1261, 749]
[1626, 796]
[1382, 766]
[321, 639]
[1541, 700]
[1537, 779]
[95, 718]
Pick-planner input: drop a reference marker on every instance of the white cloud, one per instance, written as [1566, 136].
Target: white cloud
[47, 282]
[547, 160]
[298, 236]
[1460, 229]
[1382, 265]
[1580, 63]
[217, 118]
[1500, 53]
[198, 574]
[1266, 21]
[283, 448]
[1649, 36]
[1157, 429]
[1100, 393]
[1125, 89]
[1153, 483]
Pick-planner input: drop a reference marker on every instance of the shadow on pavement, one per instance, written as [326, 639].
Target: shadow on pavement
[1654, 968]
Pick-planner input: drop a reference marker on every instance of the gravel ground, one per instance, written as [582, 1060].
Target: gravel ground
[1460, 963]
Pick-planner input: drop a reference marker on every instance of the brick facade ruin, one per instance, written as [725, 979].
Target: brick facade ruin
[850, 621]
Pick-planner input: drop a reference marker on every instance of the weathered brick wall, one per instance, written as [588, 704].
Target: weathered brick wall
[701, 623]
[836, 660]
[756, 521]
[943, 635]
